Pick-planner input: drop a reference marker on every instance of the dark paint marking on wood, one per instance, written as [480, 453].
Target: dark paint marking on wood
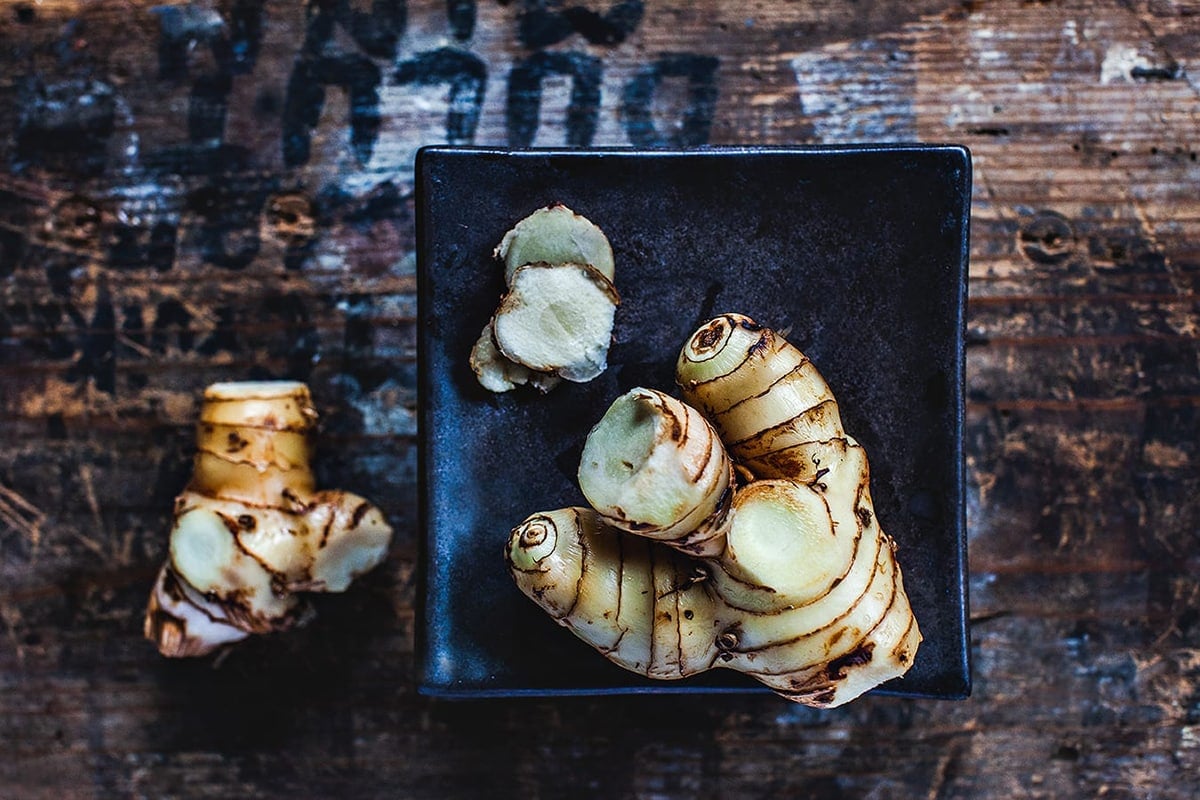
[525, 96]
[544, 22]
[699, 73]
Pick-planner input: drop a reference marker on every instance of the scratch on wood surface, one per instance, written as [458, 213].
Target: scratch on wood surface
[1143, 218]
[945, 772]
[22, 516]
[1162, 455]
[12, 618]
[89, 492]
[1165, 682]
[1182, 607]
[89, 495]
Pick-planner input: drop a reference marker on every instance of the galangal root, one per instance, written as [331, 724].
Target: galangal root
[754, 543]
[251, 530]
[555, 321]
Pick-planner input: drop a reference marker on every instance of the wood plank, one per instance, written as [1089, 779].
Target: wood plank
[178, 205]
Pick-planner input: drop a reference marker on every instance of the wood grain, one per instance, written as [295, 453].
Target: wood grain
[176, 208]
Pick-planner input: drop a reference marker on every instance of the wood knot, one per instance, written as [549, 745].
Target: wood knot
[1047, 238]
[75, 221]
[292, 218]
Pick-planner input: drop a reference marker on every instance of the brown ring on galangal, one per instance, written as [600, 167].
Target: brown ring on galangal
[530, 534]
[534, 532]
[704, 341]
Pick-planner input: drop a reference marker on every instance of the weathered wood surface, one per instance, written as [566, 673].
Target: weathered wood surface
[177, 206]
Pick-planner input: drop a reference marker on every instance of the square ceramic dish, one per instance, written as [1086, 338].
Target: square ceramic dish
[859, 252]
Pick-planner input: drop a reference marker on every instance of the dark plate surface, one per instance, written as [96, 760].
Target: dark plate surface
[860, 252]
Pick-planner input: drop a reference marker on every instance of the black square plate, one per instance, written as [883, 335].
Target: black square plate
[858, 252]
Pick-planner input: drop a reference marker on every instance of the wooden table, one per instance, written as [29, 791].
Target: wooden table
[224, 190]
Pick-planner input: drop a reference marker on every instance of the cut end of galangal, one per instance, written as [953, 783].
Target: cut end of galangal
[555, 235]
[558, 318]
[652, 466]
[628, 468]
[205, 552]
[498, 373]
[182, 623]
[272, 405]
[255, 390]
[782, 536]
[354, 539]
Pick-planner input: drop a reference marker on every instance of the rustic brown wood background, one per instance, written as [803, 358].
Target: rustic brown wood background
[177, 206]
